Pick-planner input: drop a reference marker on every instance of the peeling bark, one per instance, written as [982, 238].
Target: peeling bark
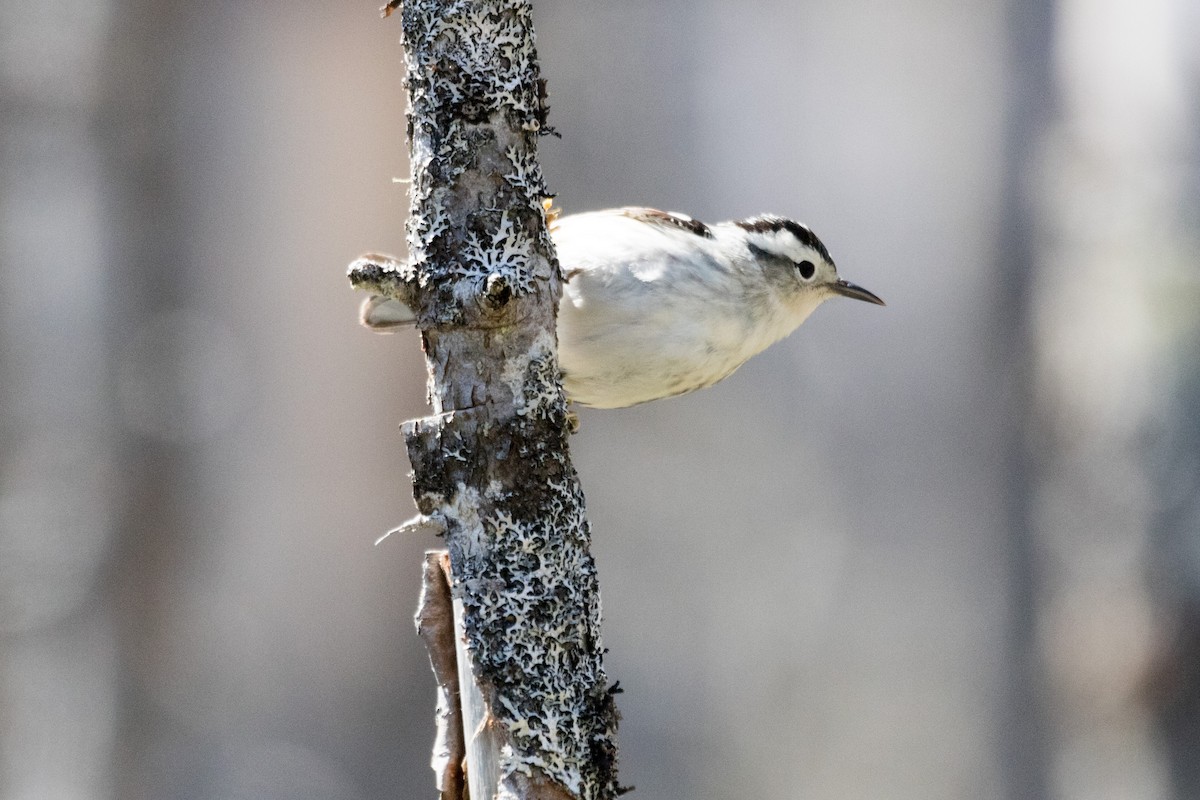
[435, 625]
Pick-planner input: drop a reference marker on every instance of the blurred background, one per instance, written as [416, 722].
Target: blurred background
[946, 549]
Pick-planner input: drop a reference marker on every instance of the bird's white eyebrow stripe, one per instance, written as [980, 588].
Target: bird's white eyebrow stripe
[772, 224]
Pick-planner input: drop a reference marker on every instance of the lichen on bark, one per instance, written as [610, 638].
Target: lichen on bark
[491, 463]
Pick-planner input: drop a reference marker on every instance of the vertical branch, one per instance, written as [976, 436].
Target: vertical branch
[491, 463]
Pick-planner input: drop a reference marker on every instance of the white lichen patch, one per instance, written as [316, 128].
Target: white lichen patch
[462, 512]
[526, 174]
[491, 51]
[423, 231]
[504, 252]
[533, 380]
[485, 57]
[550, 634]
[470, 64]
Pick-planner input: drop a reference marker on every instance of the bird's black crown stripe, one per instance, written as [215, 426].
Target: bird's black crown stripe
[772, 224]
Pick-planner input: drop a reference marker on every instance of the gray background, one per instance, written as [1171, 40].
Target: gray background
[946, 549]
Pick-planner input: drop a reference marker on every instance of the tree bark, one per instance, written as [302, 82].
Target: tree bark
[491, 464]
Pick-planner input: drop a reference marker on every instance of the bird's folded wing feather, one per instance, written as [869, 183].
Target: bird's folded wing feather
[667, 219]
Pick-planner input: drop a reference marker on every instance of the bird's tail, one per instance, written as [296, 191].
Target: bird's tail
[385, 314]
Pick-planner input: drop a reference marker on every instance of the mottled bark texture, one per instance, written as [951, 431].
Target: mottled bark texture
[491, 463]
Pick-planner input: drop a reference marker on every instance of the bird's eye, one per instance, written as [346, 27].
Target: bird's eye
[807, 270]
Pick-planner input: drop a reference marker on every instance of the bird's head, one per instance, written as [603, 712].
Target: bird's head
[793, 257]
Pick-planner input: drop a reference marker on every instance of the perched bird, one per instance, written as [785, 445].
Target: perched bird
[656, 304]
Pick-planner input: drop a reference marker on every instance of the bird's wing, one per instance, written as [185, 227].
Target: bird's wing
[667, 219]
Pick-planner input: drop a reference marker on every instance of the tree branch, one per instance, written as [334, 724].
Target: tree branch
[491, 463]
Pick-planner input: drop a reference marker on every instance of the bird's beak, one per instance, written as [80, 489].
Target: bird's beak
[848, 289]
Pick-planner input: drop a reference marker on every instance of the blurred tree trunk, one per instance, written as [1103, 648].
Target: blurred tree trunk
[1024, 742]
[149, 268]
[1109, 249]
[60, 489]
[1173, 686]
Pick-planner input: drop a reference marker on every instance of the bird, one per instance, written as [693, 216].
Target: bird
[657, 304]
